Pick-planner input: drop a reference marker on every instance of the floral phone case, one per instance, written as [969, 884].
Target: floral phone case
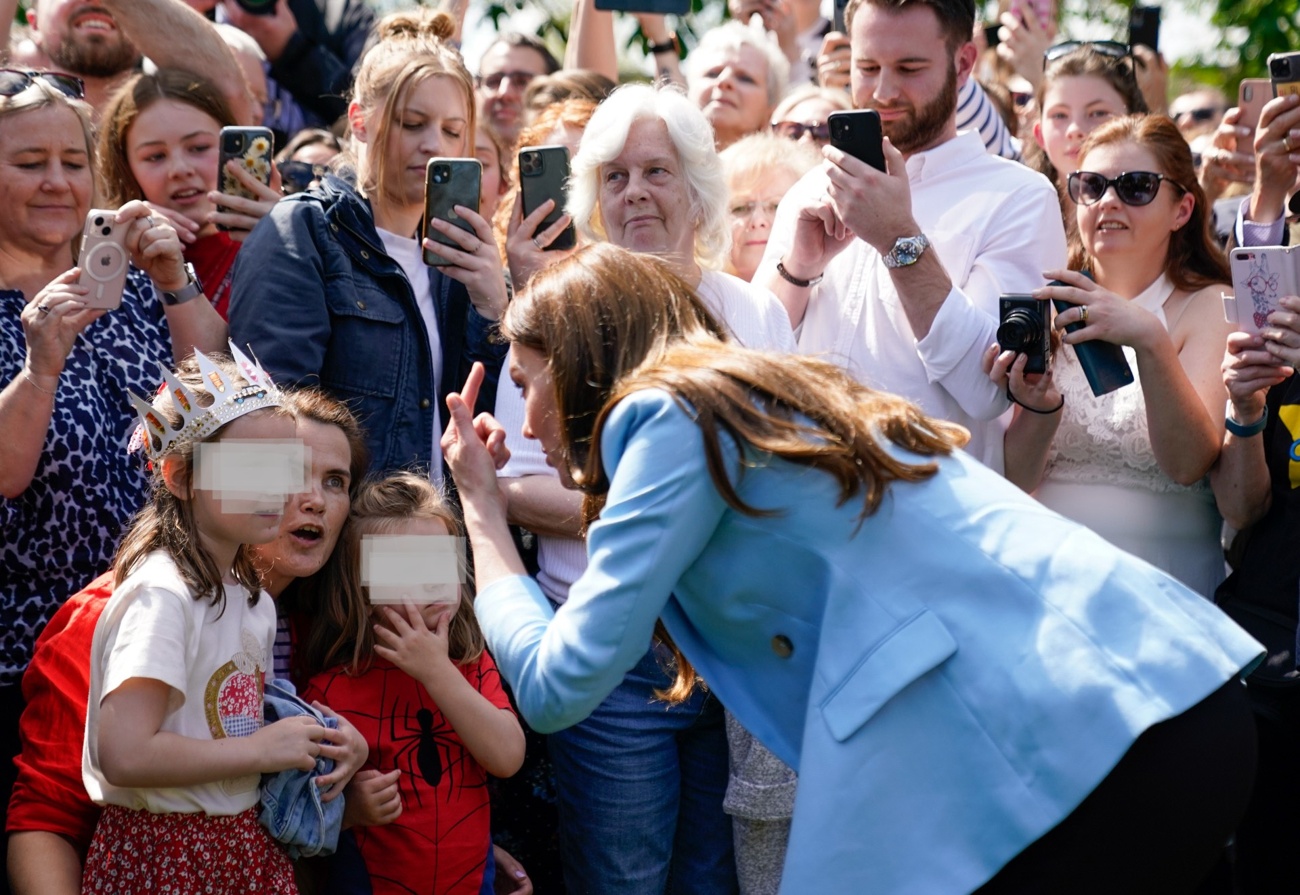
[253, 148]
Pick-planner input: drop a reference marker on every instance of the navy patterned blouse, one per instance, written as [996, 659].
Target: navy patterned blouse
[63, 530]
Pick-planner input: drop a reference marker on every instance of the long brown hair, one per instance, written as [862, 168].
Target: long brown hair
[381, 505]
[126, 105]
[167, 522]
[1195, 259]
[611, 322]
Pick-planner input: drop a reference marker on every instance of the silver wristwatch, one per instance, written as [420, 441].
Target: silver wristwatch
[906, 251]
[191, 290]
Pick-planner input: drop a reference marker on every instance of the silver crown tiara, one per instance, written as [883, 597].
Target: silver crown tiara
[229, 403]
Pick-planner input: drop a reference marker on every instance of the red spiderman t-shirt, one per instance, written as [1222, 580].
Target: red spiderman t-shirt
[439, 844]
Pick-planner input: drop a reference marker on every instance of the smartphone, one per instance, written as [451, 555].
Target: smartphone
[1104, 364]
[1284, 73]
[1042, 10]
[1251, 96]
[837, 16]
[663, 7]
[992, 36]
[1260, 277]
[449, 182]
[544, 174]
[254, 149]
[1144, 27]
[103, 259]
[858, 133]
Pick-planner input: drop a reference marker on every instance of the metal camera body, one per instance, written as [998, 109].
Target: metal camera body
[1025, 327]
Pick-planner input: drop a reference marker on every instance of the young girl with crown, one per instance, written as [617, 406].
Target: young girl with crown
[175, 742]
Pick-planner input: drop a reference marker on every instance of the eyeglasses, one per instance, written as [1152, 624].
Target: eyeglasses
[14, 81]
[821, 131]
[1112, 48]
[296, 177]
[1132, 187]
[743, 211]
[1200, 116]
[517, 79]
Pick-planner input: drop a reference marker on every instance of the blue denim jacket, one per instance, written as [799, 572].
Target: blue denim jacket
[321, 303]
[291, 807]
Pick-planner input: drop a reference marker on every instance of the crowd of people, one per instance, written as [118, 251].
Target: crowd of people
[778, 564]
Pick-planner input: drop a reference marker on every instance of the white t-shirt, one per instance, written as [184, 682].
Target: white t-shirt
[215, 662]
[754, 316]
[406, 252]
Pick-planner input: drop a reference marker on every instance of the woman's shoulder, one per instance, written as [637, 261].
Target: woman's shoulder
[1198, 312]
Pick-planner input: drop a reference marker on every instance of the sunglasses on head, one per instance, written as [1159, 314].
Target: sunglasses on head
[793, 130]
[1112, 48]
[14, 81]
[295, 177]
[1132, 187]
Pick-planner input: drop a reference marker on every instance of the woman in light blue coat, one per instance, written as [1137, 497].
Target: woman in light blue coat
[977, 693]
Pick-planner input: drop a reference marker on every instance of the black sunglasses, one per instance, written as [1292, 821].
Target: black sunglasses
[1132, 187]
[14, 81]
[794, 130]
[295, 177]
[1112, 48]
[1199, 116]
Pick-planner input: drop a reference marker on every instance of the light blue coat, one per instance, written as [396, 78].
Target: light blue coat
[950, 679]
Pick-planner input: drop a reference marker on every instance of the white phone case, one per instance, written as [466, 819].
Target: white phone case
[1260, 276]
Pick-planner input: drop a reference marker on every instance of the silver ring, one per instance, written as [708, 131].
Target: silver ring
[538, 243]
[1083, 314]
[43, 309]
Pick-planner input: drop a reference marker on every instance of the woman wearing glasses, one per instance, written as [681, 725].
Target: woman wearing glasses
[66, 483]
[803, 114]
[760, 169]
[1131, 464]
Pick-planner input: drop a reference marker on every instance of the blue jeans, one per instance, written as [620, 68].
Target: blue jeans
[639, 786]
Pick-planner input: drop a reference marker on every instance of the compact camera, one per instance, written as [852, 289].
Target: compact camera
[1025, 327]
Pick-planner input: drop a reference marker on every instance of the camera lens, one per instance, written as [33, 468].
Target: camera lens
[107, 231]
[99, 222]
[1021, 331]
[529, 163]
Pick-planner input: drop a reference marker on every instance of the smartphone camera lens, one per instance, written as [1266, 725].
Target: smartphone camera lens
[99, 222]
[441, 173]
[234, 143]
[530, 163]
[107, 231]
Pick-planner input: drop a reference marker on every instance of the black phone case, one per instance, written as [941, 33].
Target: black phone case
[548, 181]
[837, 22]
[462, 187]
[1103, 363]
[858, 133]
[1144, 27]
[256, 157]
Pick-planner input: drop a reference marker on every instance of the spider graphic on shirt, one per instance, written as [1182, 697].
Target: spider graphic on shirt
[427, 747]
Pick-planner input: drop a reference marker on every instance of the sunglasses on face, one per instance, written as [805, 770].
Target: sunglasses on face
[1113, 49]
[516, 79]
[14, 81]
[1200, 116]
[1132, 187]
[793, 130]
[296, 177]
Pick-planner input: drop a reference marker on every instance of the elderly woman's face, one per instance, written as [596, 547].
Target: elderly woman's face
[753, 208]
[645, 199]
[45, 178]
[731, 88]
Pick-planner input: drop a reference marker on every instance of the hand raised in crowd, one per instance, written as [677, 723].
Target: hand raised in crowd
[272, 31]
[1104, 314]
[1035, 391]
[348, 756]
[52, 320]
[474, 447]
[1152, 72]
[372, 799]
[1282, 334]
[1223, 164]
[154, 245]
[477, 263]
[526, 250]
[1023, 40]
[239, 214]
[777, 15]
[835, 61]
[1277, 157]
[875, 205]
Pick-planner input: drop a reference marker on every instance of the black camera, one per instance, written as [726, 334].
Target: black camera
[1280, 66]
[441, 173]
[1025, 327]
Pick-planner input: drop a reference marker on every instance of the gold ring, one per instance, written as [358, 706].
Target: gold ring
[1083, 314]
[1286, 143]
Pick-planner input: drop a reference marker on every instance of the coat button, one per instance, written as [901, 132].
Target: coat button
[334, 228]
[424, 403]
[361, 305]
[782, 646]
[365, 254]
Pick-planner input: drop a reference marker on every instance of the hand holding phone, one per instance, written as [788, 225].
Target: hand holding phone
[253, 149]
[449, 182]
[544, 174]
[860, 135]
[103, 259]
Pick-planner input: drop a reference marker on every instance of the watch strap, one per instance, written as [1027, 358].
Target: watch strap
[190, 291]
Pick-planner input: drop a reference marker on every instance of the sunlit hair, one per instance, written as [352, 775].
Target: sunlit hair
[573, 113]
[129, 102]
[730, 37]
[382, 506]
[956, 17]
[572, 83]
[40, 96]
[411, 46]
[691, 136]
[1195, 259]
[308, 136]
[611, 322]
[325, 602]
[755, 157]
[1084, 62]
[167, 521]
[837, 99]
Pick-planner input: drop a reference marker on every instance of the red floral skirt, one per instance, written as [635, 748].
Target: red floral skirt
[185, 854]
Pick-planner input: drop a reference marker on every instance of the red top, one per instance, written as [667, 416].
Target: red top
[440, 843]
[48, 794]
[213, 258]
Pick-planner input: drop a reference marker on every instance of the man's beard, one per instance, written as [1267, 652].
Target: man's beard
[94, 58]
[916, 133]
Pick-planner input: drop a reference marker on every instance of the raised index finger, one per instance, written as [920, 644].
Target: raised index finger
[469, 394]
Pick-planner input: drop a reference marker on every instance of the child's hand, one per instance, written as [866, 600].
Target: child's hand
[411, 645]
[372, 799]
[288, 743]
[348, 753]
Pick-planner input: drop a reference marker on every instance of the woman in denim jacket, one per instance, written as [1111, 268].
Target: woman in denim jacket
[330, 288]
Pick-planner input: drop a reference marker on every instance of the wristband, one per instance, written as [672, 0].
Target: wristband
[1244, 430]
[795, 281]
[668, 46]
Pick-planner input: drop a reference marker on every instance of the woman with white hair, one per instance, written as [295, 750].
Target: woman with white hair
[736, 76]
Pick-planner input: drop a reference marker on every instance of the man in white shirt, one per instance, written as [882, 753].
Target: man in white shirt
[897, 275]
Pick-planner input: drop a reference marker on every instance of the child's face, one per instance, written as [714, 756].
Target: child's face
[448, 598]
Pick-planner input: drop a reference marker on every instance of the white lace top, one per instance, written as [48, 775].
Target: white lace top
[1104, 440]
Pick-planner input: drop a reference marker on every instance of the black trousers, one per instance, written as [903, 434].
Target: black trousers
[1159, 820]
